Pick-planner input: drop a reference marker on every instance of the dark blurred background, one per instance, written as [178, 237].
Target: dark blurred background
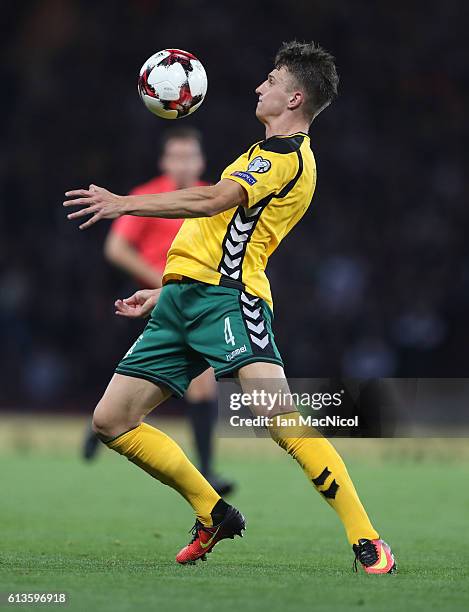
[375, 279]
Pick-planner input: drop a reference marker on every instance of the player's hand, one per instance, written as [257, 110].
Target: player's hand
[140, 304]
[96, 201]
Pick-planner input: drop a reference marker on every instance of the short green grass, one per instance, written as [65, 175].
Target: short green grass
[107, 535]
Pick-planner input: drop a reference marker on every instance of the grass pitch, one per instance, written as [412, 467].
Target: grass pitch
[106, 534]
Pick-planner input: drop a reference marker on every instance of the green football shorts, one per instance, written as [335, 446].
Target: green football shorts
[195, 325]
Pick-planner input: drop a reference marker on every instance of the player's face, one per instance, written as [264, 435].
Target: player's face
[274, 94]
[183, 161]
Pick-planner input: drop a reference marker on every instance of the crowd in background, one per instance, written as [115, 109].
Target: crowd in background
[375, 279]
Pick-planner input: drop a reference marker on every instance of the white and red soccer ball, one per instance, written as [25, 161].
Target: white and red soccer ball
[172, 83]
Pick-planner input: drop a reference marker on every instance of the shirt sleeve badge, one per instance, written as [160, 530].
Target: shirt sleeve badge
[259, 164]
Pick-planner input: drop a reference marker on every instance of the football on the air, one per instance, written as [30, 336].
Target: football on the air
[172, 83]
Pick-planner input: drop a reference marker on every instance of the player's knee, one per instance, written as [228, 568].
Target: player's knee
[100, 424]
[107, 423]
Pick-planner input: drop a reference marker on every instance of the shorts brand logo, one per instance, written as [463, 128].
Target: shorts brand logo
[236, 352]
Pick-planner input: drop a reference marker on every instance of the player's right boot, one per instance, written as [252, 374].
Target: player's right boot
[375, 556]
[204, 538]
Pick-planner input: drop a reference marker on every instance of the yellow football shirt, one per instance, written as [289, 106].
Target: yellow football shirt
[233, 247]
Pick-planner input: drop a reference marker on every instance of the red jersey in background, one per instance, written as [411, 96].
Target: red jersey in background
[151, 236]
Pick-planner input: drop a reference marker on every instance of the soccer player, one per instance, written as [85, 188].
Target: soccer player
[216, 299]
[139, 245]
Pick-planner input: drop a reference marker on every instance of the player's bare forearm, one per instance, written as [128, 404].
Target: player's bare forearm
[181, 204]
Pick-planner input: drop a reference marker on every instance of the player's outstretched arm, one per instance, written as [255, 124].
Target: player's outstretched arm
[138, 305]
[181, 204]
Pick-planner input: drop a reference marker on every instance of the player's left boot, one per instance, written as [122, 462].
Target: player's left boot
[205, 538]
[375, 556]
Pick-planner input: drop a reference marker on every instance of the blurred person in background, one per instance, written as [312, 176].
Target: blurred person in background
[138, 245]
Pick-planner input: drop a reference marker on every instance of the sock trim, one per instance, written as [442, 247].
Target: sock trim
[121, 434]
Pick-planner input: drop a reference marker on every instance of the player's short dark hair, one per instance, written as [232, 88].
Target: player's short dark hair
[180, 133]
[313, 69]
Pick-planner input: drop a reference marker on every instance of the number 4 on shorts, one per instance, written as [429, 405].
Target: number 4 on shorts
[229, 338]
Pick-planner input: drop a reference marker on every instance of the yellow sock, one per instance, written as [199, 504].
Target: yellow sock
[323, 465]
[162, 458]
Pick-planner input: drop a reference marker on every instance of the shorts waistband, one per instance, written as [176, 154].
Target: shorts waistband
[185, 279]
[225, 281]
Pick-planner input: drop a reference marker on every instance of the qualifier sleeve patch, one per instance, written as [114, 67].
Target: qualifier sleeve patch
[246, 176]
